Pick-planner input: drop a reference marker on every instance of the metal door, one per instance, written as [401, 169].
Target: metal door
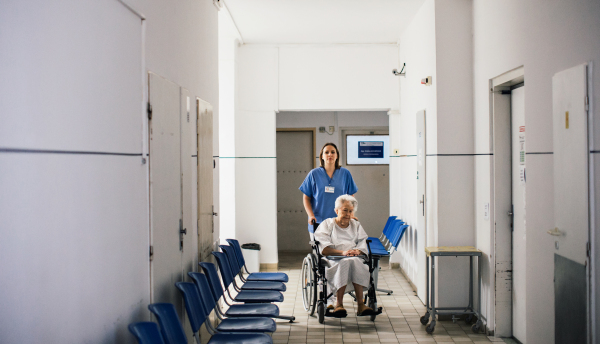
[571, 206]
[519, 238]
[420, 231]
[205, 179]
[165, 190]
[295, 156]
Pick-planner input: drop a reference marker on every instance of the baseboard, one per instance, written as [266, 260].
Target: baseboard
[412, 285]
[269, 266]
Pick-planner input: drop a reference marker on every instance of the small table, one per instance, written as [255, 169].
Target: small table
[468, 310]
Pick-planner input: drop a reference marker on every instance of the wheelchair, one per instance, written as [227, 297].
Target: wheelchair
[314, 282]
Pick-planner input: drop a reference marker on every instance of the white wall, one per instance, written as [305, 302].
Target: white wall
[544, 37]
[267, 80]
[74, 232]
[338, 77]
[229, 39]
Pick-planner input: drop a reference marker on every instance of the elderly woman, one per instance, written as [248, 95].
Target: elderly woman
[344, 236]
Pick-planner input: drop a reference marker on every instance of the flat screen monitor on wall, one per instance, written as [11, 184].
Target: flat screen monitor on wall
[367, 149]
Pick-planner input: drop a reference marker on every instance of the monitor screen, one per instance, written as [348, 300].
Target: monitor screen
[367, 149]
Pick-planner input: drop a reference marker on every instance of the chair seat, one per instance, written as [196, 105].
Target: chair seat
[259, 296]
[253, 310]
[247, 325]
[241, 338]
[264, 285]
[268, 276]
[380, 252]
[376, 244]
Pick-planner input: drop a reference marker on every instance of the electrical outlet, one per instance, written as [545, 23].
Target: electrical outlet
[321, 129]
[331, 129]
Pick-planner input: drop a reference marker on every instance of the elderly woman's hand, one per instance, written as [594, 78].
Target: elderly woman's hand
[352, 253]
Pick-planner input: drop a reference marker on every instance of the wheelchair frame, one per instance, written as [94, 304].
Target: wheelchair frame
[314, 282]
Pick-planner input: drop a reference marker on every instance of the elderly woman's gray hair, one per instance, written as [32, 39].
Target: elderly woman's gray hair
[339, 202]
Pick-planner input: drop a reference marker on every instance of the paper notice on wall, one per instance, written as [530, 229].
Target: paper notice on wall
[522, 175]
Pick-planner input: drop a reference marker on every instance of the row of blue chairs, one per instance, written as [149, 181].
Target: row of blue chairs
[388, 242]
[245, 323]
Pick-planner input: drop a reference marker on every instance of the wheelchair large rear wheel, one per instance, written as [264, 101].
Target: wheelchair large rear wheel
[309, 285]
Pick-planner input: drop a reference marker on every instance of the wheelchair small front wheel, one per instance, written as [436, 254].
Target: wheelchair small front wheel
[321, 312]
[373, 305]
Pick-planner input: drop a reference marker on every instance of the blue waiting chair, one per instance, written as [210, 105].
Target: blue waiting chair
[245, 296]
[254, 276]
[249, 285]
[235, 310]
[194, 301]
[146, 332]
[173, 332]
[394, 234]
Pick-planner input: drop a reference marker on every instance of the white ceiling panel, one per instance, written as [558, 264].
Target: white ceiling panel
[322, 22]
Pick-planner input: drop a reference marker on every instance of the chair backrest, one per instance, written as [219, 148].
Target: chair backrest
[210, 271]
[224, 268]
[238, 251]
[233, 264]
[398, 236]
[146, 332]
[170, 326]
[386, 228]
[196, 310]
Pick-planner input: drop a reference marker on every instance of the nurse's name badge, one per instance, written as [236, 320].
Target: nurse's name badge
[330, 189]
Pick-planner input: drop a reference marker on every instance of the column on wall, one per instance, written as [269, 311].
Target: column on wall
[255, 154]
[442, 51]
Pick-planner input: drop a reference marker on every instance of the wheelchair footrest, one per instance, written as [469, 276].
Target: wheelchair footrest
[330, 313]
[378, 311]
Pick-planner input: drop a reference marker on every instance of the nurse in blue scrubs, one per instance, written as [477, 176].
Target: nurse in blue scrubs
[324, 184]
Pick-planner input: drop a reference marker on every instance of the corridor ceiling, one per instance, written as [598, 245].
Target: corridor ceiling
[322, 22]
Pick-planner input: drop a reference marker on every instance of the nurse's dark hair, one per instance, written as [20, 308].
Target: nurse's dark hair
[337, 161]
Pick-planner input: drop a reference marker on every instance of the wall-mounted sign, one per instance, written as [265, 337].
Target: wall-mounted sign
[370, 149]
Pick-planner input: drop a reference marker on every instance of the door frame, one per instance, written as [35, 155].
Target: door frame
[500, 266]
[314, 138]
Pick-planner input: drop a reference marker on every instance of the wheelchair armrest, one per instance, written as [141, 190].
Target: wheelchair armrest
[342, 257]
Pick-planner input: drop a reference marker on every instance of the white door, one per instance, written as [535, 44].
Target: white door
[421, 228]
[165, 190]
[519, 177]
[205, 179]
[571, 207]
[188, 184]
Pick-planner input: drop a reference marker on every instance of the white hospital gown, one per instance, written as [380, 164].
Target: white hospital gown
[344, 272]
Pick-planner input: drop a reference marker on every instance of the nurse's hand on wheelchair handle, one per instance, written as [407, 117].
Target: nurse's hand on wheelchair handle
[312, 220]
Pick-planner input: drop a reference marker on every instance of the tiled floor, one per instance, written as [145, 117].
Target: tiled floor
[399, 322]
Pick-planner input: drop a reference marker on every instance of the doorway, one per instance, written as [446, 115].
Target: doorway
[507, 95]
[295, 158]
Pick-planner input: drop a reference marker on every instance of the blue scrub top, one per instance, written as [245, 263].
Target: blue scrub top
[323, 203]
